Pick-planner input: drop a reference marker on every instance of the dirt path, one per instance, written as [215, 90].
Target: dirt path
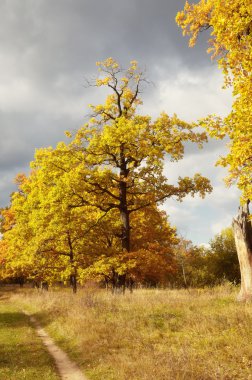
[68, 370]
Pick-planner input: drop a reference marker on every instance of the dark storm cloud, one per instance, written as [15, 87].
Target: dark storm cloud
[49, 38]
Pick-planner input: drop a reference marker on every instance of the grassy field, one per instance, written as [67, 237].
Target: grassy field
[22, 355]
[150, 334]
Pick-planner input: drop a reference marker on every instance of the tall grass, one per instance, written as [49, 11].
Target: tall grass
[150, 334]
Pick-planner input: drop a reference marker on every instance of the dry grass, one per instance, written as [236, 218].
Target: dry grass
[150, 334]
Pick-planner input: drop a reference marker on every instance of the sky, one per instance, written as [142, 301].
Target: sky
[49, 48]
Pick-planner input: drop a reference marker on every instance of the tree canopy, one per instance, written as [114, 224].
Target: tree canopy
[230, 25]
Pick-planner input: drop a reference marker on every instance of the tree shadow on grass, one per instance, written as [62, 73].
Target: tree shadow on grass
[9, 319]
[13, 320]
[17, 319]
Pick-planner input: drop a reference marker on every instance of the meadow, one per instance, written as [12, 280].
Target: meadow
[150, 334]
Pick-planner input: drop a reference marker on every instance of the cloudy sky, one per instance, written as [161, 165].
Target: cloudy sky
[49, 47]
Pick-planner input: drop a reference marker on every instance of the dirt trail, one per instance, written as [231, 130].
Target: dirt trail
[68, 370]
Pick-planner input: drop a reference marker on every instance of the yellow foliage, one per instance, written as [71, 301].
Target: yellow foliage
[230, 22]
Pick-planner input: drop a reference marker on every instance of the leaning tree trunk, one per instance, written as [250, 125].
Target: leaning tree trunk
[243, 240]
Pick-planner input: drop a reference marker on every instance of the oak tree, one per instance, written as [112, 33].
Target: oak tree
[125, 150]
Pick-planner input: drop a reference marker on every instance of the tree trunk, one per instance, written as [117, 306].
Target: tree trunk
[73, 282]
[184, 273]
[243, 240]
[73, 275]
[21, 281]
[124, 213]
[125, 229]
[44, 285]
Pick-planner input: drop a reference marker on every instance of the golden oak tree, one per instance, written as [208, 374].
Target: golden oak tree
[46, 238]
[230, 22]
[65, 236]
[125, 151]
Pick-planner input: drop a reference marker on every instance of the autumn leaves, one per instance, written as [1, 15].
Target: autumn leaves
[230, 42]
[88, 209]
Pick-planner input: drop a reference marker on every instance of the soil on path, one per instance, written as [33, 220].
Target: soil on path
[68, 370]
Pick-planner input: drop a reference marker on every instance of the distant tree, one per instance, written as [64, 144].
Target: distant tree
[222, 257]
[200, 266]
[192, 265]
